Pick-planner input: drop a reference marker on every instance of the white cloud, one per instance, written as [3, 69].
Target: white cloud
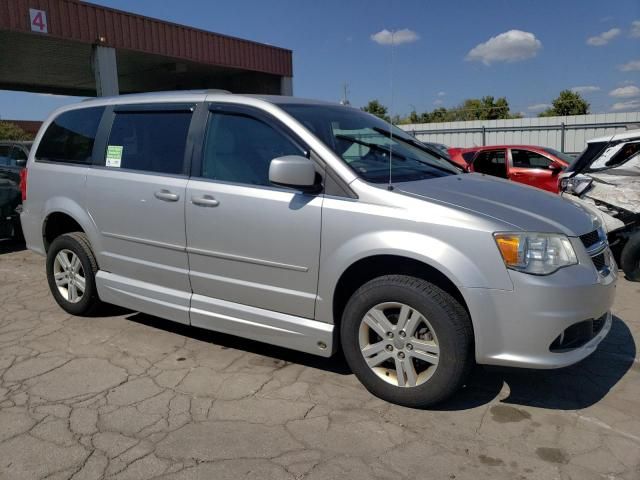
[628, 106]
[385, 37]
[538, 107]
[629, 91]
[510, 46]
[437, 101]
[630, 66]
[635, 29]
[442, 94]
[585, 89]
[604, 37]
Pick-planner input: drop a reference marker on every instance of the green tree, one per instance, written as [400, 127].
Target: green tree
[376, 108]
[10, 131]
[567, 103]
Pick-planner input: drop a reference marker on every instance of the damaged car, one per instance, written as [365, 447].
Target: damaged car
[606, 179]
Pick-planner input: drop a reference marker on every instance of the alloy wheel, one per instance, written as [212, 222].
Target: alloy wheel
[69, 276]
[399, 344]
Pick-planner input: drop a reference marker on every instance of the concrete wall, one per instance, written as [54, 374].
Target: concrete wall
[546, 132]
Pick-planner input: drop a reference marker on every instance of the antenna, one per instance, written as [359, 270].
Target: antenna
[390, 186]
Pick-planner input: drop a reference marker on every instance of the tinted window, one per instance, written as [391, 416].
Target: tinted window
[18, 154]
[70, 136]
[4, 154]
[529, 159]
[491, 162]
[148, 141]
[468, 156]
[240, 148]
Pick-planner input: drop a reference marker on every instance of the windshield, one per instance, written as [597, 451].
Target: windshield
[362, 141]
[586, 157]
[562, 156]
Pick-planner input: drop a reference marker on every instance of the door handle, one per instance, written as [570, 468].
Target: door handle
[166, 195]
[205, 201]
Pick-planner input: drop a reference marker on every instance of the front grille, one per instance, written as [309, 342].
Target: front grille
[599, 261]
[577, 335]
[590, 239]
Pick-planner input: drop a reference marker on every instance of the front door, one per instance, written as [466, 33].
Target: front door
[136, 197]
[250, 244]
[532, 168]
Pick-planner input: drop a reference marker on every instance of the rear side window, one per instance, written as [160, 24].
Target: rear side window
[149, 141]
[70, 137]
[468, 156]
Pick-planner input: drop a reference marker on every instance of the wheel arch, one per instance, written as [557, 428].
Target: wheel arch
[64, 216]
[373, 266]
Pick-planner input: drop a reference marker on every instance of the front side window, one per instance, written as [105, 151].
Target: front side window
[529, 159]
[364, 143]
[70, 137]
[149, 141]
[239, 148]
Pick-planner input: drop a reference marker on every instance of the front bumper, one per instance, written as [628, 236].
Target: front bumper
[517, 327]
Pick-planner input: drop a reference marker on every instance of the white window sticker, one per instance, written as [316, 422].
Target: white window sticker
[114, 156]
[38, 20]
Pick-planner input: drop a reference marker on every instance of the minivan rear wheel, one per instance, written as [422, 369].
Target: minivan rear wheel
[408, 341]
[71, 270]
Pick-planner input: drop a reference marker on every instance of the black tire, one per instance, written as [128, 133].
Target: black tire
[78, 243]
[630, 258]
[449, 320]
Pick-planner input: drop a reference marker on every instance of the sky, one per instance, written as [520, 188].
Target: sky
[443, 51]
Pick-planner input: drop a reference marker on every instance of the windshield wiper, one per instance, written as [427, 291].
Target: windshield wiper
[421, 146]
[375, 146]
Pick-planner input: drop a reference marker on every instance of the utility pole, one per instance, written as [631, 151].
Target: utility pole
[345, 91]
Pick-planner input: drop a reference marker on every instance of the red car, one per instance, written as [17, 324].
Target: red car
[528, 164]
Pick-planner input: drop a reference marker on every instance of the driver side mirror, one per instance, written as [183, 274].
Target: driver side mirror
[293, 171]
[555, 167]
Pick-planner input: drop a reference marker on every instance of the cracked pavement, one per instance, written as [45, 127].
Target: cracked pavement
[129, 396]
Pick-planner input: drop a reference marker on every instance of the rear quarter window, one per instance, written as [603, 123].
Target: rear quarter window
[70, 137]
[468, 156]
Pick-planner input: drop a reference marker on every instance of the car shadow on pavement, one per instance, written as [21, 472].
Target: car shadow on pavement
[10, 246]
[334, 364]
[572, 388]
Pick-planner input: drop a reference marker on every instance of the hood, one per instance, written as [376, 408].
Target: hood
[525, 208]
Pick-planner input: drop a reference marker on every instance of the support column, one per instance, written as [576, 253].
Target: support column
[286, 86]
[105, 71]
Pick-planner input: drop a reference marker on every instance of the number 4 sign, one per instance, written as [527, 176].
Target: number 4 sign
[38, 20]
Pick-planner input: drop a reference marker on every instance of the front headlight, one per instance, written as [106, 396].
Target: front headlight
[577, 184]
[535, 253]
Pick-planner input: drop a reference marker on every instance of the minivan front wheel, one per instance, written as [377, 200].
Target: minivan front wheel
[408, 341]
[71, 270]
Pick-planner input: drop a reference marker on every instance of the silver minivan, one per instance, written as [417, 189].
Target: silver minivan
[313, 226]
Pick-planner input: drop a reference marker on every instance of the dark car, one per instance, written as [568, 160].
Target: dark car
[13, 159]
[528, 164]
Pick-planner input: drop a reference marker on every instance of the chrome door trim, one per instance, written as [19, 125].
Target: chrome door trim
[240, 258]
[145, 241]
